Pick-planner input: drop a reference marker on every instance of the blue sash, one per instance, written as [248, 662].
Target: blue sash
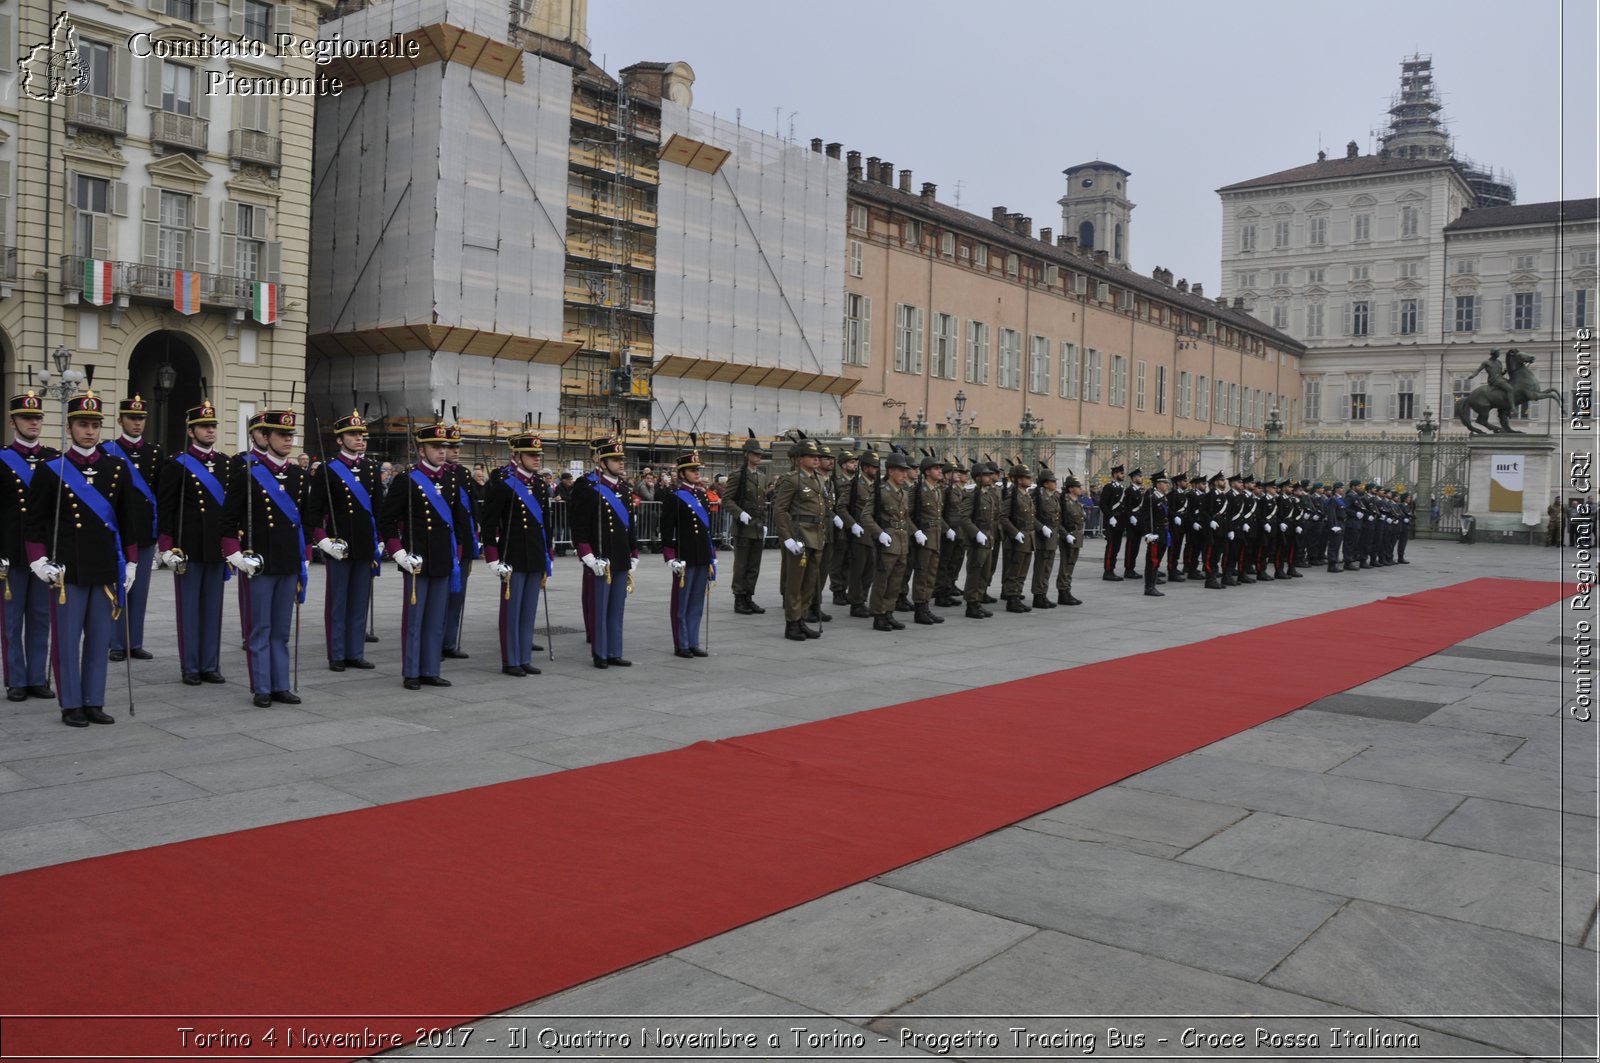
[611, 497]
[18, 464]
[140, 484]
[359, 492]
[689, 499]
[472, 525]
[280, 497]
[525, 496]
[209, 482]
[436, 500]
[79, 485]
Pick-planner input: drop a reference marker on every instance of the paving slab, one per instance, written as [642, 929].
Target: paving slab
[1547, 671]
[1377, 706]
[336, 732]
[52, 843]
[1141, 821]
[438, 775]
[1329, 798]
[1222, 922]
[580, 751]
[425, 745]
[50, 804]
[1284, 751]
[1498, 782]
[1395, 687]
[275, 769]
[1543, 704]
[1488, 653]
[199, 724]
[220, 814]
[46, 737]
[1396, 737]
[1566, 839]
[1463, 717]
[10, 780]
[1476, 887]
[150, 756]
[1381, 959]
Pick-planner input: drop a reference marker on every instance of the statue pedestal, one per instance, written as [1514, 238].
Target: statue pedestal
[1510, 480]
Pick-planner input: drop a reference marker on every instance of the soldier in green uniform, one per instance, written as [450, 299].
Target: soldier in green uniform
[843, 475]
[1047, 507]
[979, 527]
[1018, 526]
[887, 524]
[829, 485]
[927, 523]
[1071, 533]
[953, 550]
[746, 500]
[863, 558]
[800, 511]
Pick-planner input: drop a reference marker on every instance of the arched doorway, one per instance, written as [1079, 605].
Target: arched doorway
[1086, 236]
[145, 372]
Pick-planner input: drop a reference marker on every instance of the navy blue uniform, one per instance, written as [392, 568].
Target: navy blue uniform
[147, 460]
[342, 504]
[268, 520]
[609, 533]
[514, 534]
[686, 537]
[425, 522]
[189, 506]
[27, 598]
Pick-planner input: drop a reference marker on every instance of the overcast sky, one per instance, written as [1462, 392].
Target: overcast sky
[999, 96]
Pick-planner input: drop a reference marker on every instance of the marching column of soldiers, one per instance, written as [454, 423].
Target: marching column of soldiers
[93, 522]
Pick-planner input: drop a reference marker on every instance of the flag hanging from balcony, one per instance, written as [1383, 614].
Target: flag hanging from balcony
[264, 303]
[185, 291]
[97, 281]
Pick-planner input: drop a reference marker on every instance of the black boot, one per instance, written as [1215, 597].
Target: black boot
[976, 611]
[1151, 592]
[882, 623]
[860, 612]
[924, 615]
[1014, 605]
[750, 604]
[791, 630]
[1111, 577]
[1042, 601]
[741, 604]
[903, 605]
[1066, 598]
[1333, 566]
[809, 632]
[1177, 577]
[841, 598]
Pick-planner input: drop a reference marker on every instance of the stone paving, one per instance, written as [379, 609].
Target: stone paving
[1421, 847]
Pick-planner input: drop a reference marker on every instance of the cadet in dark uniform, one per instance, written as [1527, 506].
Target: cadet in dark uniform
[927, 523]
[1407, 515]
[863, 558]
[341, 510]
[79, 511]
[1132, 495]
[981, 525]
[27, 600]
[419, 520]
[1018, 526]
[886, 521]
[690, 552]
[746, 500]
[1110, 505]
[264, 538]
[957, 505]
[189, 506]
[1153, 520]
[604, 532]
[1073, 520]
[144, 462]
[839, 550]
[462, 491]
[1178, 501]
[1214, 532]
[800, 512]
[518, 550]
[1047, 508]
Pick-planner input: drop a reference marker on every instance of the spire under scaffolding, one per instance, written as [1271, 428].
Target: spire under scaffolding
[1417, 130]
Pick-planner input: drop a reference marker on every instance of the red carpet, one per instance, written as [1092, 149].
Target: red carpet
[458, 906]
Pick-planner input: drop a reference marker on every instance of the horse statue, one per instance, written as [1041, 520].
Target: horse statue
[1504, 392]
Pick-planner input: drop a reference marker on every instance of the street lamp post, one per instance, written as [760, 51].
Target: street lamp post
[1030, 426]
[960, 421]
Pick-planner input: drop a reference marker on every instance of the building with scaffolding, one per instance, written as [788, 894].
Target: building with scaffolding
[505, 233]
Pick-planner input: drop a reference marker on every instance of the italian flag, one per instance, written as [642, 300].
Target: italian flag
[264, 303]
[97, 281]
[185, 291]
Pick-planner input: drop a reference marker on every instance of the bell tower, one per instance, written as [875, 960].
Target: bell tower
[1096, 209]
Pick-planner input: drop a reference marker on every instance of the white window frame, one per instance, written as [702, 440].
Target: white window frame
[1161, 388]
[858, 217]
[1358, 405]
[1316, 318]
[1070, 371]
[857, 329]
[1119, 381]
[1010, 362]
[1202, 398]
[1281, 230]
[1247, 238]
[1361, 228]
[908, 323]
[977, 360]
[1038, 365]
[943, 357]
[857, 257]
[1140, 372]
[980, 255]
[1092, 363]
[1313, 398]
[1185, 394]
[1410, 221]
[1317, 230]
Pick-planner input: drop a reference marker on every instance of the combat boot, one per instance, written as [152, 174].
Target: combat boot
[1212, 584]
[741, 604]
[1066, 598]
[881, 623]
[860, 612]
[893, 623]
[1042, 601]
[1265, 577]
[903, 605]
[841, 598]
[750, 604]
[976, 611]
[1177, 577]
[1333, 566]
[925, 615]
[1014, 605]
[807, 632]
[791, 630]
[1111, 577]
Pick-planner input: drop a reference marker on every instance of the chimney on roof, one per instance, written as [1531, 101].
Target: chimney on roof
[886, 173]
[1238, 302]
[832, 150]
[853, 165]
[1183, 284]
[1155, 274]
[1222, 301]
[816, 145]
[1044, 234]
[1061, 239]
[1069, 242]
[1352, 150]
[872, 167]
[1022, 225]
[929, 192]
[1198, 290]
[1322, 156]
[905, 181]
[998, 215]
[1101, 258]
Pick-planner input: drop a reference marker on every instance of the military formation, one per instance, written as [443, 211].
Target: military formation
[890, 534]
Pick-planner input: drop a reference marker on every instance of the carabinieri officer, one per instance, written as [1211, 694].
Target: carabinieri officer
[27, 600]
[343, 517]
[518, 550]
[264, 538]
[144, 461]
[421, 522]
[79, 515]
[687, 546]
[189, 513]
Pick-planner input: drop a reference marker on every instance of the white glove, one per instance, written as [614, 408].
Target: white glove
[337, 551]
[499, 568]
[1071, 539]
[1151, 538]
[855, 530]
[677, 567]
[1284, 527]
[793, 546]
[247, 565]
[1336, 528]
[883, 539]
[983, 540]
[1230, 537]
[1019, 538]
[4, 564]
[1113, 522]
[744, 518]
[1213, 525]
[1246, 530]
[407, 562]
[130, 572]
[633, 564]
[171, 558]
[765, 531]
[950, 534]
[1133, 521]
[1048, 531]
[921, 537]
[594, 564]
[1196, 526]
[1298, 530]
[46, 571]
[838, 521]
